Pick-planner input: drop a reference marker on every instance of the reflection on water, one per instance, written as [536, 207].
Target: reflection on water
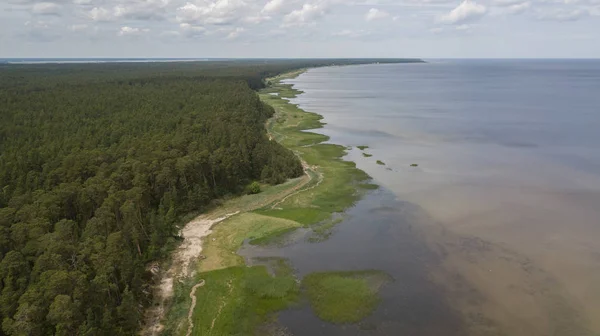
[508, 165]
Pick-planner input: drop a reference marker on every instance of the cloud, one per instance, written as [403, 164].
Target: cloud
[218, 12]
[376, 14]
[467, 11]
[141, 10]
[305, 15]
[273, 6]
[518, 8]
[349, 33]
[506, 3]
[561, 14]
[256, 19]
[453, 30]
[40, 31]
[78, 27]
[235, 33]
[129, 31]
[100, 14]
[46, 8]
[512, 6]
[192, 31]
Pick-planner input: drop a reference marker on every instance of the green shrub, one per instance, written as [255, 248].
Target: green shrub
[253, 188]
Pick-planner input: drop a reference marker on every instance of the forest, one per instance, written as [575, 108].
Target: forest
[99, 162]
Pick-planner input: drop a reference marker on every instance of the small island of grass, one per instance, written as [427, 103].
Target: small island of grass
[344, 297]
[379, 162]
[362, 147]
[367, 154]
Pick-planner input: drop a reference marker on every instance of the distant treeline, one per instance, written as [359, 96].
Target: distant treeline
[98, 162]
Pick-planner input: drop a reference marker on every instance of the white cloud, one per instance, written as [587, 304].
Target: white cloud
[256, 19]
[561, 14]
[273, 6]
[376, 14]
[351, 33]
[467, 11]
[217, 12]
[235, 33]
[306, 15]
[39, 24]
[141, 9]
[506, 3]
[100, 14]
[518, 8]
[129, 31]
[192, 31]
[78, 27]
[46, 8]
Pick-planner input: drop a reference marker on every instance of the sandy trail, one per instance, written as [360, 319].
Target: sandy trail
[188, 252]
[306, 169]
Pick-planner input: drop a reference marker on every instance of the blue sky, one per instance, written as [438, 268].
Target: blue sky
[300, 28]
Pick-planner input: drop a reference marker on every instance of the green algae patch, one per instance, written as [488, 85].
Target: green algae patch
[362, 147]
[344, 297]
[379, 162]
[367, 154]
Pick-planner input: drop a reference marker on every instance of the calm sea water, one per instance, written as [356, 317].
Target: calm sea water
[508, 155]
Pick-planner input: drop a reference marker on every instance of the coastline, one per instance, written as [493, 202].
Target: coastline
[330, 186]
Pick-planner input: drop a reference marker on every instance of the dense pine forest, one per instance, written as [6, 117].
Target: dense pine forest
[97, 164]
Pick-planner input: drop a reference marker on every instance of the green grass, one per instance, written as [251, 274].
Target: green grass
[344, 297]
[367, 154]
[227, 238]
[235, 301]
[379, 162]
[362, 147]
[369, 186]
[238, 299]
[303, 216]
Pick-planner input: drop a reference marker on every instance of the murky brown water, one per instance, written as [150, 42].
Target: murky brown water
[497, 230]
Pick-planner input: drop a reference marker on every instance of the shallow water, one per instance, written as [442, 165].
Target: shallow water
[496, 231]
[378, 234]
[506, 195]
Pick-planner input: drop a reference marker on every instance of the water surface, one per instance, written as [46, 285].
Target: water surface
[506, 195]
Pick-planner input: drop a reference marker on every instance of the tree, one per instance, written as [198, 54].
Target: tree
[254, 188]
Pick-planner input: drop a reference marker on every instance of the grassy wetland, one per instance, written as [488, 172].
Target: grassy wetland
[233, 298]
[344, 297]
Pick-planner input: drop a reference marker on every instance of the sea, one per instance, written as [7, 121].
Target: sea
[488, 211]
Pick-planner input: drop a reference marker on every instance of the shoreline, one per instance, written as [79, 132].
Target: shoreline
[285, 208]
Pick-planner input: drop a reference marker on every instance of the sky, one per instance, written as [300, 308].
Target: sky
[300, 28]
